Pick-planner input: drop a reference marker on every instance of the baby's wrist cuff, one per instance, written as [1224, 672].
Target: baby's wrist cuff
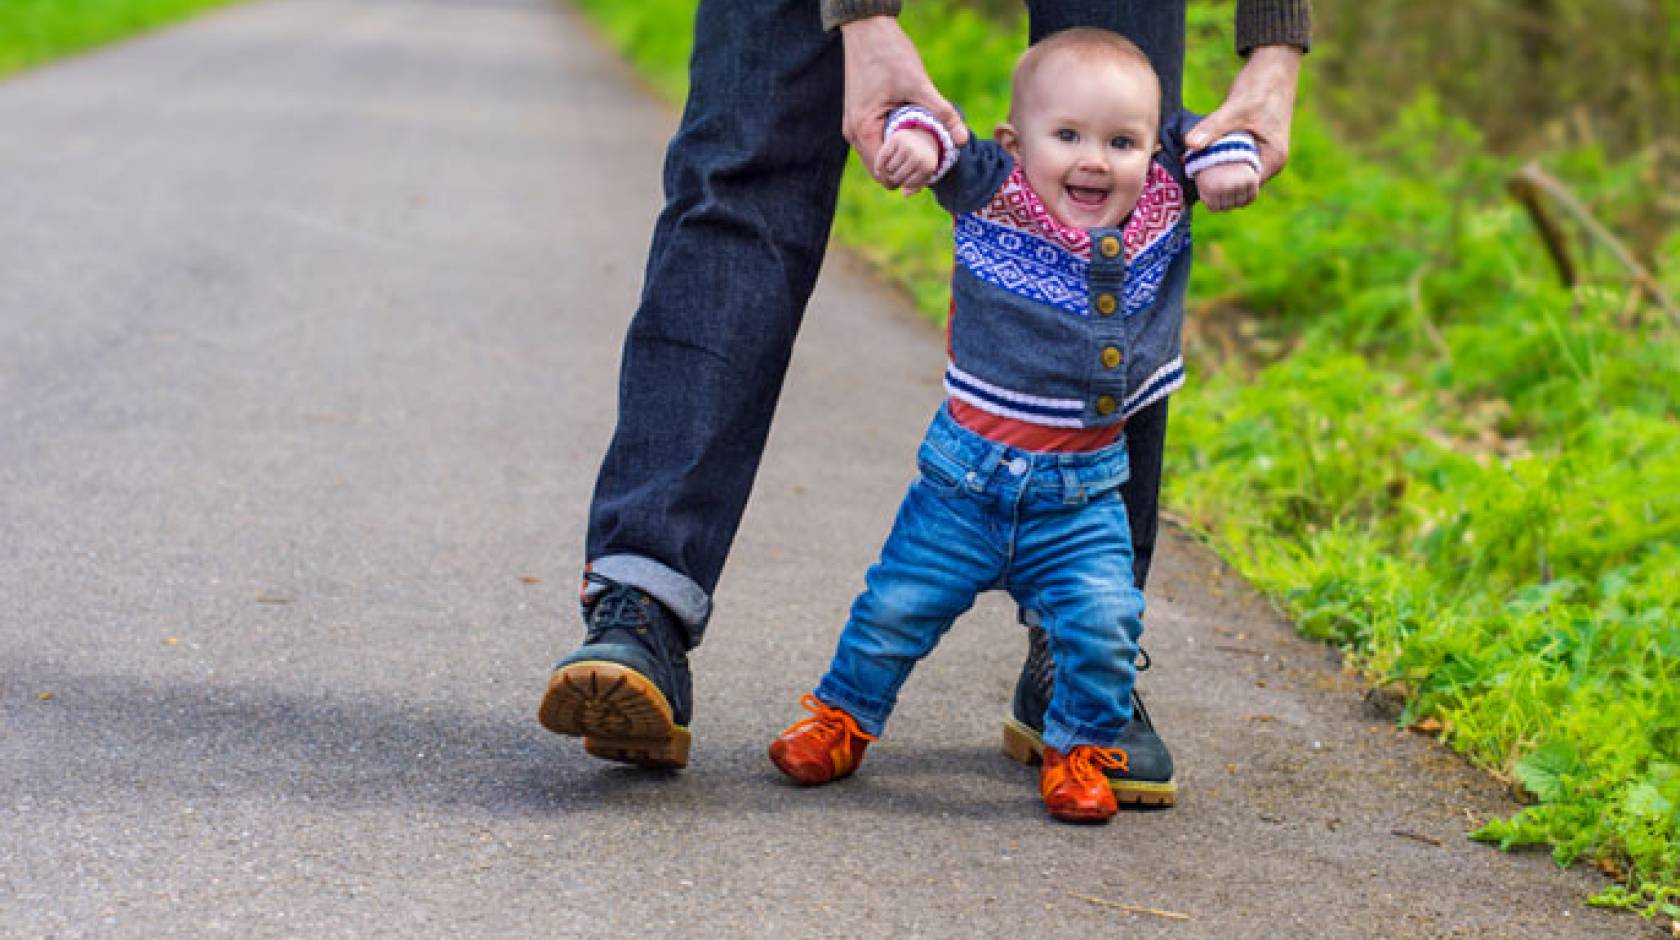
[1235, 147]
[918, 117]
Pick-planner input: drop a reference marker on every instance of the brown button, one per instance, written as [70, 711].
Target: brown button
[1109, 246]
[1106, 304]
[1106, 404]
[1111, 357]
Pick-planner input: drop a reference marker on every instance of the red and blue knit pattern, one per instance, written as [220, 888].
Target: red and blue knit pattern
[1014, 243]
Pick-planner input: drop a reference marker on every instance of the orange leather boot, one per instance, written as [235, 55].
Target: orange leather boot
[822, 748]
[1074, 787]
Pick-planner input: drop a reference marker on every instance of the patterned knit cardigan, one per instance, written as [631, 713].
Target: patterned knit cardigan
[1058, 326]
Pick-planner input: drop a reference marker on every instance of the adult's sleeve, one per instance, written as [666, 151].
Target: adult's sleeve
[1273, 23]
[837, 13]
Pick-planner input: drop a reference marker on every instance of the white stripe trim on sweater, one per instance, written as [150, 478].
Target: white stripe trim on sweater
[1148, 394]
[1067, 404]
[1235, 147]
[915, 116]
[992, 407]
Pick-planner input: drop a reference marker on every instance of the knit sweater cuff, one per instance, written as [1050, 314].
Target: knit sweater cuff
[923, 119]
[1273, 23]
[1235, 147]
[837, 13]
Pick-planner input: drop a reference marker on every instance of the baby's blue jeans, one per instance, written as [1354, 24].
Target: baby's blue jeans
[1049, 528]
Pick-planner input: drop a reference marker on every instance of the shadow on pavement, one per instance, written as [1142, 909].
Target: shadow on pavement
[131, 742]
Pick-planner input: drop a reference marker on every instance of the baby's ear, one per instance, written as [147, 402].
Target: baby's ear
[1007, 138]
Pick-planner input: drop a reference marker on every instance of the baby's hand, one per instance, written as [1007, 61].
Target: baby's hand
[908, 159]
[1228, 186]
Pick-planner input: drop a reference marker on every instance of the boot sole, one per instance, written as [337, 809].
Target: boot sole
[1025, 746]
[619, 713]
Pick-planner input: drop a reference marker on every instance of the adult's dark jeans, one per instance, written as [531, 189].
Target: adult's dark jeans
[751, 179]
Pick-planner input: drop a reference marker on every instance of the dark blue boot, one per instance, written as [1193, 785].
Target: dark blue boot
[1147, 779]
[627, 690]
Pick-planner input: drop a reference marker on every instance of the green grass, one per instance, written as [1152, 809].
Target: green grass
[37, 31]
[1421, 448]
[1464, 472]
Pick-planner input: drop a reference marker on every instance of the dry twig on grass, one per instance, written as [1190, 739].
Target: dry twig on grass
[1531, 181]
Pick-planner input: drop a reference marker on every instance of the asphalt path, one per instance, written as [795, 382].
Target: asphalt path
[309, 321]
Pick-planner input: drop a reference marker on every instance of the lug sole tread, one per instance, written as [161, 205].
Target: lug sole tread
[620, 714]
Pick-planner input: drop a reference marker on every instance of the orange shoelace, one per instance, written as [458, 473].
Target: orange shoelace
[831, 721]
[1083, 762]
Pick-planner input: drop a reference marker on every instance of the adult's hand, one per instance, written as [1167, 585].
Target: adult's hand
[883, 72]
[1262, 102]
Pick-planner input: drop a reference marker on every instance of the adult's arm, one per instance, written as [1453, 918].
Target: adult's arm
[1272, 23]
[1274, 35]
[883, 72]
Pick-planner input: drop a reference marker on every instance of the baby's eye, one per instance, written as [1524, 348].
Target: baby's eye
[1067, 135]
[1122, 143]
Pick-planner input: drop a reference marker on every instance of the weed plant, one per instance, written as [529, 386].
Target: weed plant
[1421, 447]
[1466, 473]
[36, 31]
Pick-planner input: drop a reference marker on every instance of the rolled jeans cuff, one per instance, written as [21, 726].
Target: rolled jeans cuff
[680, 595]
[1065, 736]
[870, 714]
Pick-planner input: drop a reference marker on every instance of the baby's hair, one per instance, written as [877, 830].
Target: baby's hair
[1089, 44]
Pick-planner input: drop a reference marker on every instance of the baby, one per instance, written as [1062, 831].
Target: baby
[1072, 238]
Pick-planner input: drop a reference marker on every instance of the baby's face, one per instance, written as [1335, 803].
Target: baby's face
[1084, 134]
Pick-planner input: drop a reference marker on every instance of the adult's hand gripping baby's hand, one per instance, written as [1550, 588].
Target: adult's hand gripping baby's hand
[884, 72]
[1262, 102]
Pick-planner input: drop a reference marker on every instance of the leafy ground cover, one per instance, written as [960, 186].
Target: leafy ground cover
[36, 31]
[1461, 470]
[1405, 432]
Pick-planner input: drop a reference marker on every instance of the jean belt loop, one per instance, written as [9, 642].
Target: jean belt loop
[1073, 488]
[981, 475]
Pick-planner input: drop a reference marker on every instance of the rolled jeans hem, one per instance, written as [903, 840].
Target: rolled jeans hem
[870, 716]
[679, 593]
[1065, 737]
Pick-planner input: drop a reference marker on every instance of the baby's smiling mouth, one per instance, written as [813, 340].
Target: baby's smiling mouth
[1087, 196]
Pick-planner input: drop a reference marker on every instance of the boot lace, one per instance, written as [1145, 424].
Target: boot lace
[1085, 763]
[619, 607]
[831, 723]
